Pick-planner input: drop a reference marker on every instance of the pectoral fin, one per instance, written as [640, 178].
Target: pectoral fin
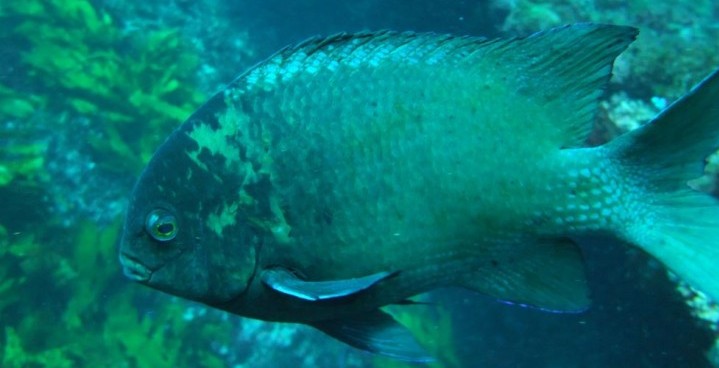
[286, 282]
[376, 332]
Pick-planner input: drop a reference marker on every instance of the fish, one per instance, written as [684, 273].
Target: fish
[352, 172]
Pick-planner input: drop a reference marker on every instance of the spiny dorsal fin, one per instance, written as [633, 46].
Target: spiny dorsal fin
[558, 74]
[370, 47]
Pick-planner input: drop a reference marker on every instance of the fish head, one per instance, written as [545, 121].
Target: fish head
[180, 236]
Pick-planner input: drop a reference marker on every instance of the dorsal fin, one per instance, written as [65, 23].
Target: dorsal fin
[564, 70]
[558, 74]
[371, 47]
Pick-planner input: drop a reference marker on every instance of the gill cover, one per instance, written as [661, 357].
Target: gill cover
[183, 226]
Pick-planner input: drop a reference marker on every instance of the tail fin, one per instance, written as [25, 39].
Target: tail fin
[681, 228]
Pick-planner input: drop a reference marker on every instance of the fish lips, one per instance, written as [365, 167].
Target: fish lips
[135, 270]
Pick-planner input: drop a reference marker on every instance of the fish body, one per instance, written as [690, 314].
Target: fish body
[353, 172]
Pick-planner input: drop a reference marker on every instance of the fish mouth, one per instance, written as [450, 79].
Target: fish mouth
[135, 270]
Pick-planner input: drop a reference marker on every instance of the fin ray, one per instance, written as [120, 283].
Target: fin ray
[546, 274]
[564, 70]
[376, 332]
[681, 225]
[559, 73]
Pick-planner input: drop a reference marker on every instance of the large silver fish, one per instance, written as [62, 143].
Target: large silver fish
[352, 172]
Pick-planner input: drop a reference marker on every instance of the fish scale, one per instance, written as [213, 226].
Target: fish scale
[425, 185]
[353, 172]
[408, 112]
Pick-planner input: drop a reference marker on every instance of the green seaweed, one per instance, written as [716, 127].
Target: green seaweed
[9, 283]
[432, 326]
[23, 154]
[22, 159]
[61, 300]
[15, 355]
[91, 321]
[18, 105]
[122, 81]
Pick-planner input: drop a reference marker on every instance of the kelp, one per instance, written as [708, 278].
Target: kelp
[67, 306]
[63, 299]
[432, 326]
[84, 63]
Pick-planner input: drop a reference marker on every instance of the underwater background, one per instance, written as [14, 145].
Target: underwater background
[89, 89]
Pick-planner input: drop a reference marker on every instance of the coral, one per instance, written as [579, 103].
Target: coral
[626, 113]
[528, 16]
[701, 306]
[669, 62]
[706, 311]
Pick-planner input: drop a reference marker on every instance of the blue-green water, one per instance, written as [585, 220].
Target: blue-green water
[88, 90]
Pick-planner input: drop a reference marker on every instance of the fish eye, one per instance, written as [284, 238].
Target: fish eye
[161, 225]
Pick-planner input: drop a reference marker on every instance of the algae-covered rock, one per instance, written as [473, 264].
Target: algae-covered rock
[675, 49]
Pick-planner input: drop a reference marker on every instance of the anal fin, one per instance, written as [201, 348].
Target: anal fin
[547, 274]
[376, 332]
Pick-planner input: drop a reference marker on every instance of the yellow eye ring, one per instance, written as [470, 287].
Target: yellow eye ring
[161, 225]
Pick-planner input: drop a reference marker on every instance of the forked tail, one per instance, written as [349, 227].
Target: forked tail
[681, 226]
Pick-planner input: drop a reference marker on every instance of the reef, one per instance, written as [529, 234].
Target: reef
[675, 48]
